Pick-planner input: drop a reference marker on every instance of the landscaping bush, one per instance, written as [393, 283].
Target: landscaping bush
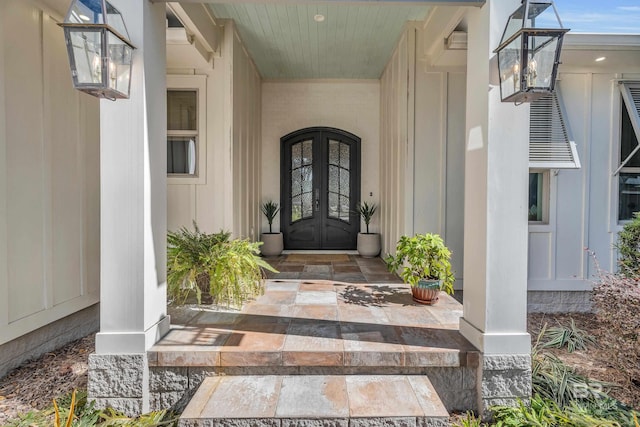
[628, 247]
[216, 268]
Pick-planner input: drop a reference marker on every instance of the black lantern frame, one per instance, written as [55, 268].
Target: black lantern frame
[529, 54]
[100, 53]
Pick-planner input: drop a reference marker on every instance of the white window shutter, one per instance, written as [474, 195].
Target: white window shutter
[549, 144]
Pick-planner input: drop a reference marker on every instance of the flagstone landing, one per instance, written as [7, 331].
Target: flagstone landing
[302, 332]
[321, 324]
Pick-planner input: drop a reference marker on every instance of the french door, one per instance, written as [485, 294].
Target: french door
[320, 189]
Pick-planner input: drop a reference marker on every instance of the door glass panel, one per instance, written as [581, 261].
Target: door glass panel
[344, 155]
[296, 155]
[296, 182]
[344, 182]
[334, 182]
[296, 208]
[334, 208]
[334, 152]
[307, 205]
[307, 179]
[307, 152]
[344, 208]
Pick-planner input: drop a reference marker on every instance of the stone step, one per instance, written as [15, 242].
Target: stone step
[315, 401]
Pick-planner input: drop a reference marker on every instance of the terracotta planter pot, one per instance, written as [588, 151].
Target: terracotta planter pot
[272, 244]
[368, 244]
[426, 291]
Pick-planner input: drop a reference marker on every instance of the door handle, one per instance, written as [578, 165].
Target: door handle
[317, 200]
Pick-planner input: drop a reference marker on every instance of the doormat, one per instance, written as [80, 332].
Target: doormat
[302, 258]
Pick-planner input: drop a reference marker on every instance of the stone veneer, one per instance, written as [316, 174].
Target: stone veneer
[503, 379]
[119, 381]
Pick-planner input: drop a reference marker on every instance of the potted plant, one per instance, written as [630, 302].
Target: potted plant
[272, 242]
[213, 266]
[368, 243]
[424, 263]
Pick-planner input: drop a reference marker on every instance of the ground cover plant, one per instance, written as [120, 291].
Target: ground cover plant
[562, 397]
[74, 410]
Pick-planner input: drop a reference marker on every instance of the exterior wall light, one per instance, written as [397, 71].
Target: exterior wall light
[99, 49]
[529, 52]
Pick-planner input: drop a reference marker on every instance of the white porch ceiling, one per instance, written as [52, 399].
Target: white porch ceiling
[355, 40]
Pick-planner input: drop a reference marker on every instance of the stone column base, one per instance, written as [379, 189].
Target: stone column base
[119, 381]
[503, 379]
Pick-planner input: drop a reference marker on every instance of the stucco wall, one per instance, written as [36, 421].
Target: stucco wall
[49, 177]
[353, 106]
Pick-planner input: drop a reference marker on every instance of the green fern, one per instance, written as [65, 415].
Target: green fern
[215, 268]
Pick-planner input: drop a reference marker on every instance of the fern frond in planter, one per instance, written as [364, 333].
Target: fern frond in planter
[214, 267]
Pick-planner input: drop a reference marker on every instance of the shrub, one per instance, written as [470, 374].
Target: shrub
[214, 267]
[628, 247]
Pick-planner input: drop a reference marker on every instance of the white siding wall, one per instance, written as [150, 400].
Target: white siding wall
[228, 197]
[353, 106]
[247, 114]
[49, 177]
[396, 143]
[583, 203]
[423, 122]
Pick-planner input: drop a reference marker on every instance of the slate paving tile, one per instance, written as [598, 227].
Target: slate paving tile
[316, 297]
[324, 396]
[383, 396]
[244, 397]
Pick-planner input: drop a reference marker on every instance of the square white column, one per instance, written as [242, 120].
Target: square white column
[496, 185]
[133, 193]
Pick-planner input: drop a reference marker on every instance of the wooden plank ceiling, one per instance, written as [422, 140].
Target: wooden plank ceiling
[354, 41]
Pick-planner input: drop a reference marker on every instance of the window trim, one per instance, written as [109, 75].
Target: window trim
[199, 84]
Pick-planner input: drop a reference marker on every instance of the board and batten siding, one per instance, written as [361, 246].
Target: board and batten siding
[583, 203]
[49, 177]
[228, 196]
[422, 149]
[350, 105]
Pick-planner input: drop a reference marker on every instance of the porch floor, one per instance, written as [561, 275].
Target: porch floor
[330, 342]
[320, 323]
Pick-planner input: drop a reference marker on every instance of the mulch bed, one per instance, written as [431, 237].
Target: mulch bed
[35, 384]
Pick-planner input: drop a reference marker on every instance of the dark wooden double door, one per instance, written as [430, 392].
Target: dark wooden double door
[320, 189]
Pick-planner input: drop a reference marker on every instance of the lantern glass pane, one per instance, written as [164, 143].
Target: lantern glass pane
[87, 56]
[115, 20]
[542, 15]
[510, 68]
[85, 12]
[541, 60]
[119, 69]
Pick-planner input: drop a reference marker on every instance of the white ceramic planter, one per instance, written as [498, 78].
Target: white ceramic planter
[368, 244]
[272, 244]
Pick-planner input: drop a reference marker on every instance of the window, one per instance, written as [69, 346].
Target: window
[538, 206]
[182, 131]
[550, 147]
[629, 168]
[186, 136]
